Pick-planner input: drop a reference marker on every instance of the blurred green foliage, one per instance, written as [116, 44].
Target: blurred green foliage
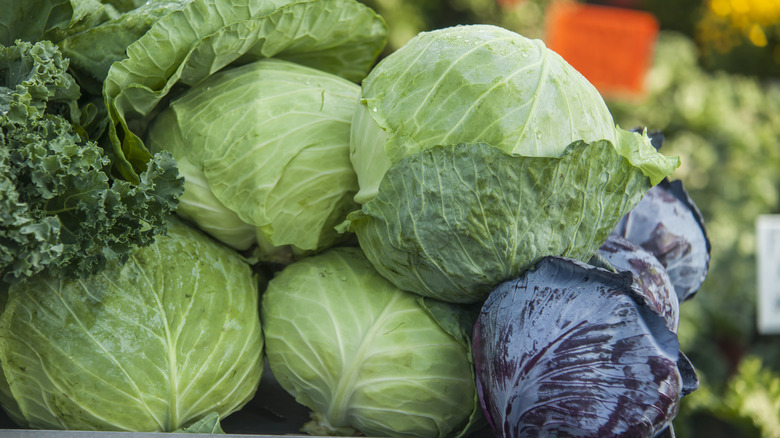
[406, 18]
[723, 43]
[676, 15]
[749, 406]
[740, 36]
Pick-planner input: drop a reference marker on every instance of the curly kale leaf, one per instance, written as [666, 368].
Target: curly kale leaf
[60, 210]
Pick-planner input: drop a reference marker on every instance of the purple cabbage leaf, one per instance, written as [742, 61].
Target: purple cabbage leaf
[668, 224]
[654, 287]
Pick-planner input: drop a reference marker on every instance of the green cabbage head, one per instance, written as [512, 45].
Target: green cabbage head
[478, 152]
[481, 84]
[366, 356]
[264, 150]
[169, 338]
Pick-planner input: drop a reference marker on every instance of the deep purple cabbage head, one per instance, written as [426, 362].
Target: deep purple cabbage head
[569, 349]
[650, 276]
[669, 225]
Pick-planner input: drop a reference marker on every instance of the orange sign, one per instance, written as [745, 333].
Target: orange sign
[611, 47]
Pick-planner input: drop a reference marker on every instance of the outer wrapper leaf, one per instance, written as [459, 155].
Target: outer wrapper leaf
[668, 224]
[208, 424]
[650, 277]
[94, 49]
[152, 345]
[342, 37]
[364, 355]
[37, 20]
[453, 222]
[566, 350]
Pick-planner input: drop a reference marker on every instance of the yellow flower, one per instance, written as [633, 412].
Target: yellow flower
[725, 22]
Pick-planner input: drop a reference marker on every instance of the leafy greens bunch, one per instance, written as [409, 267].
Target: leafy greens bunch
[463, 162]
[61, 209]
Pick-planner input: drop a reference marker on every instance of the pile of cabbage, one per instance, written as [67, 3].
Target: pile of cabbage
[453, 238]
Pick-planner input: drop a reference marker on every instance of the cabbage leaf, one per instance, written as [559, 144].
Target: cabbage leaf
[94, 49]
[208, 424]
[52, 20]
[668, 224]
[650, 277]
[452, 222]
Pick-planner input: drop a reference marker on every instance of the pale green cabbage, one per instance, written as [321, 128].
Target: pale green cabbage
[342, 37]
[482, 84]
[264, 150]
[478, 152]
[366, 356]
[169, 338]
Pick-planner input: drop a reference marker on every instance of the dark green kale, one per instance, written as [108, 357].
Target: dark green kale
[60, 208]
